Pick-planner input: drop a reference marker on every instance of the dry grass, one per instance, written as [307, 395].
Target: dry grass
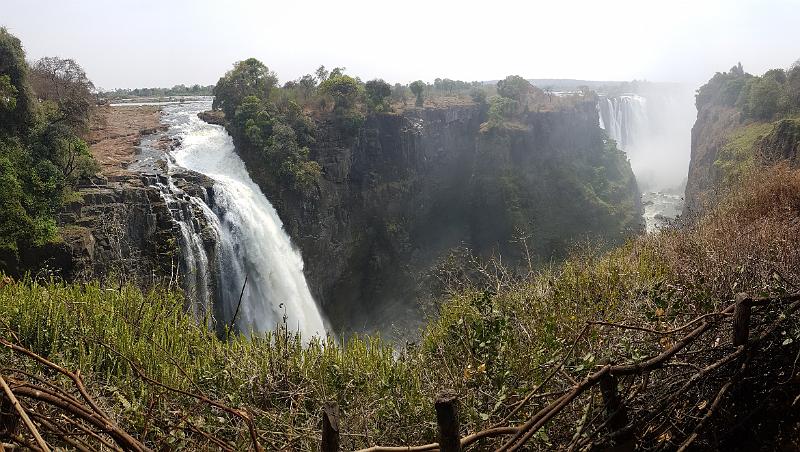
[748, 243]
[494, 339]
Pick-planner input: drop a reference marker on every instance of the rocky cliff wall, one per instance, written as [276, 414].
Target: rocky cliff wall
[710, 133]
[725, 148]
[403, 190]
[122, 229]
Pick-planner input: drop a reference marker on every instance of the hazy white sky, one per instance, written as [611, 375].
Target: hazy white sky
[128, 43]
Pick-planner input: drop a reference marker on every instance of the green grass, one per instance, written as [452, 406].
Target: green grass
[738, 156]
[489, 345]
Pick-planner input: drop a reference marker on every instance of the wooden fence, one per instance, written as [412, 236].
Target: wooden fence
[616, 419]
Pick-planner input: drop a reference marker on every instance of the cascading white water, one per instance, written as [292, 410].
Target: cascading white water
[625, 119]
[653, 129]
[251, 242]
[195, 271]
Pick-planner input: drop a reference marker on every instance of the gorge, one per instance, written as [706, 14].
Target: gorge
[653, 126]
[399, 196]
[328, 263]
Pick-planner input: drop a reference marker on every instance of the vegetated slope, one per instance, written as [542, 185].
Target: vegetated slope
[742, 121]
[495, 340]
[44, 116]
[375, 198]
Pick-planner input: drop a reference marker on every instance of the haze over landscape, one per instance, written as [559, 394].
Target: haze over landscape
[135, 43]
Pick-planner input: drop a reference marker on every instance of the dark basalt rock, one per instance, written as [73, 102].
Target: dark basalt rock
[212, 117]
[405, 189]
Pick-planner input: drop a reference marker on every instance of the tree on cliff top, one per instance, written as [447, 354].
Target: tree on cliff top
[247, 78]
[41, 153]
[514, 87]
[18, 106]
[64, 83]
[418, 88]
[377, 91]
[344, 90]
[28, 184]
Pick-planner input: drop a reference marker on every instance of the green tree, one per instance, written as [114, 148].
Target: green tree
[500, 109]
[8, 94]
[418, 88]
[307, 84]
[337, 72]
[18, 114]
[343, 89]
[68, 153]
[763, 97]
[478, 96]
[321, 73]
[515, 87]
[377, 92]
[247, 78]
[41, 153]
[793, 87]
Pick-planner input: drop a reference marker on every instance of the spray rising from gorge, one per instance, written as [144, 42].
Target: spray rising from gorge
[653, 127]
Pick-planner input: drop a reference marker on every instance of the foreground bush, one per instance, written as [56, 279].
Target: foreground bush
[493, 340]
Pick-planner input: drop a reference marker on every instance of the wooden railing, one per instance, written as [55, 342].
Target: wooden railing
[616, 419]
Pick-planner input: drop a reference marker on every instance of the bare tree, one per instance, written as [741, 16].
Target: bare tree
[64, 82]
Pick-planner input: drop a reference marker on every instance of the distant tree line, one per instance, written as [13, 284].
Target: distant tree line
[177, 90]
[45, 110]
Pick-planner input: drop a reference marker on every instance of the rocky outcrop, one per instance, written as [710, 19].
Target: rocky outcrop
[213, 117]
[121, 228]
[723, 146]
[403, 190]
[783, 143]
[741, 126]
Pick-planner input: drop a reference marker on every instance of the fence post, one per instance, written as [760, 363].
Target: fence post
[447, 418]
[741, 319]
[616, 413]
[330, 427]
[9, 420]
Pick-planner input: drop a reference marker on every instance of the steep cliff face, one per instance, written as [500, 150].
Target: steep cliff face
[122, 228]
[403, 190]
[782, 143]
[555, 179]
[709, 134]
[725, 148]
[743, 123]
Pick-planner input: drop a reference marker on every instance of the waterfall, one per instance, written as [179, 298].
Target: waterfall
[249, 238]
[194, 266]
[625, 118]
[653, 127]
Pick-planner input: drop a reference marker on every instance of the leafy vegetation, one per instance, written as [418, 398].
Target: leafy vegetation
[737, 157]
[279, 123]
[517, 96]
[750, 120]
[418, 88]
[44, 112]
[771, 96]
[378, 91]
[492, 340]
